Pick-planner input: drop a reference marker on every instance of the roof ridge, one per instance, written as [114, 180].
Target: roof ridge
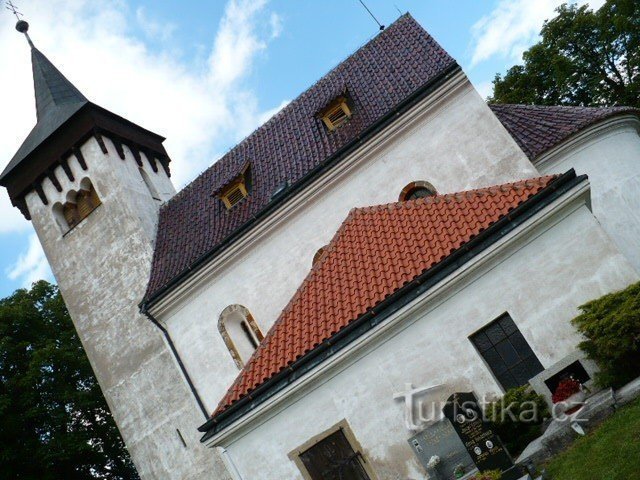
[444, 196]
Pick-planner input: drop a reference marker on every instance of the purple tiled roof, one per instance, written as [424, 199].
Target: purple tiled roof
[537, 128]
[380, 77]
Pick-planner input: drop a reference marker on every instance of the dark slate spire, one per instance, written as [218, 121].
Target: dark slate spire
[52, 89]
[66, 121]
[57, 99]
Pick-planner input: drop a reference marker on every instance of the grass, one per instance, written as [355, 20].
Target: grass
[610, 452]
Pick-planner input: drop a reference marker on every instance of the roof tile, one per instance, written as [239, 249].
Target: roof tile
[377, 78]
[537, 128]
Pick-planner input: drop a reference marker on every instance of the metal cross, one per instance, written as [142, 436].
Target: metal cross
[11, 7]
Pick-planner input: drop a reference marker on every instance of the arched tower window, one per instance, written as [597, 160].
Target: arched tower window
[78, 205]
[240, 333]
[418, 189]
[150, 186]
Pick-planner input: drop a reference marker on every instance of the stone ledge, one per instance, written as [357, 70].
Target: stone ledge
[559, 434]
[628, 393]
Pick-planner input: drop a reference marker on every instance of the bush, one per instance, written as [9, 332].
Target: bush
[517, 417]
[611, 327]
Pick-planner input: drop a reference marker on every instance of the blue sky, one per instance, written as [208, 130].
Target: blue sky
[206, 73]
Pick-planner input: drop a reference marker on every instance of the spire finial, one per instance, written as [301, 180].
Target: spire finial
[22, 26]
[11, 7]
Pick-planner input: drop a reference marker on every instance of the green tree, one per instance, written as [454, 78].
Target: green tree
[585, 57]
[54, 421]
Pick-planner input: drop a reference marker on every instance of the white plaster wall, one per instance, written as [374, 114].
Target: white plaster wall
[610, 156]
[456, 145]
[540, 285]
[102, 266]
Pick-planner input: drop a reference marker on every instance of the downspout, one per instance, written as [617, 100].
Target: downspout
[228, 462]
[192, 387]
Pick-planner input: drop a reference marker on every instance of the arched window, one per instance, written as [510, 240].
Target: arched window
[78, 205]
[416, 190]
[318, 255]
[150, 186]
[240, 333]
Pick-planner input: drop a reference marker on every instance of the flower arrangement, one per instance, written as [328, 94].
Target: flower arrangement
[566, 388]
[433, 461]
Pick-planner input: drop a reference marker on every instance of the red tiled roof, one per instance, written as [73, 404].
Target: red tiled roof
[375, 252]
[537, 128]
[400, 62]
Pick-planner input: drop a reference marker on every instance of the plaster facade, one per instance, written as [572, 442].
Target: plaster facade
[609, 153]
[451, 140]
[102, 267]
[539, 274]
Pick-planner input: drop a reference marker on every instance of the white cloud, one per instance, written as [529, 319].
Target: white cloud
[201, 105]
[484, 89]
[512, 27]
[270, 113]
[31, 266]
[154, 29]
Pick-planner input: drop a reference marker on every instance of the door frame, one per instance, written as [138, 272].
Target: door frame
[343, 425]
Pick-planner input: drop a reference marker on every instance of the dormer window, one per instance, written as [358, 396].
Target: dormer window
[237, 190]
[336, 113]
[233, 194]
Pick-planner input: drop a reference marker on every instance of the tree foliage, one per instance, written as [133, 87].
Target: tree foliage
[54, 421]
[585, 57]
[611, 327]
[517, 417]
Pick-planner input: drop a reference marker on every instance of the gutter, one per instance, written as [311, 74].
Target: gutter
[192, 387]
[405, 105]
[391, 304]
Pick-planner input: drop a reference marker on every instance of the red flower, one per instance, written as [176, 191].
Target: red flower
[566, 388]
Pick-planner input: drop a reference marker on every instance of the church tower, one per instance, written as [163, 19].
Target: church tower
[92, 184]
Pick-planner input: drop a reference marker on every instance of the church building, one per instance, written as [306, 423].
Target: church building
[387, 229]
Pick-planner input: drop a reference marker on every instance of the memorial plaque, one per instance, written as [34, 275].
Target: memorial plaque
[484, 446]
[441, 439]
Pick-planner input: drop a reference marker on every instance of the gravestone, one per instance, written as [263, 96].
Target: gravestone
[440, 439]
[484, 446]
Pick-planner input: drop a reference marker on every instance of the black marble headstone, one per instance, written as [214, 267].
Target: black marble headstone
[441, 440]
[484, 446]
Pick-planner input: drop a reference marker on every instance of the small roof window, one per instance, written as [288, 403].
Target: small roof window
[237, 189]
[336, 113]
[233, 194]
